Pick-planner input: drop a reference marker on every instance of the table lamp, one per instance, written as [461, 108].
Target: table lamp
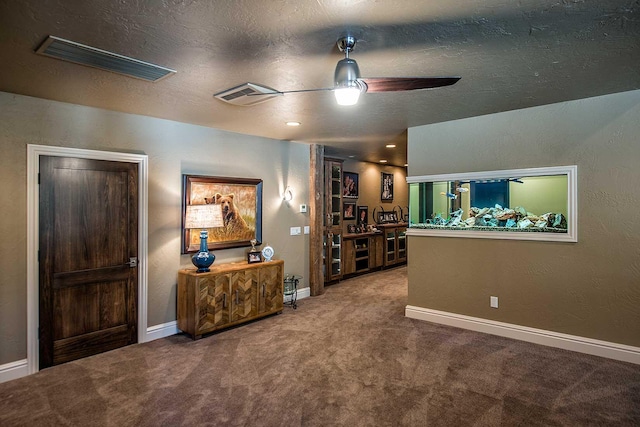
[203, 217]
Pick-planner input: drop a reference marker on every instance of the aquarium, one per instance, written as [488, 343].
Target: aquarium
[524, 204]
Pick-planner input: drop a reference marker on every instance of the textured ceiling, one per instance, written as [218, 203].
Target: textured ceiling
[510, 55]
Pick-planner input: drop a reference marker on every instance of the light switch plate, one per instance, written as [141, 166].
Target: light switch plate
[295, 231]
[493, 301]
[306, 229]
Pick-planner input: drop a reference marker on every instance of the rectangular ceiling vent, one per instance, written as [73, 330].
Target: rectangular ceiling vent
[66, 50]
[247, 94]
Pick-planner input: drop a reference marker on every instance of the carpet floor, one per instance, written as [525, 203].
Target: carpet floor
[348, 358]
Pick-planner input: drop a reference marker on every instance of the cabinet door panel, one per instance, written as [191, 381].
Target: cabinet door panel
[349, 256]
[377, 251]
[244, 298]
[214, 302]
[271, 284]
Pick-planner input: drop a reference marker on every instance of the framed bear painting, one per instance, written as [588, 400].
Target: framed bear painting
[241, 205]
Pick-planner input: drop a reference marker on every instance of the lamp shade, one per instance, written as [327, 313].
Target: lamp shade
[203, 216]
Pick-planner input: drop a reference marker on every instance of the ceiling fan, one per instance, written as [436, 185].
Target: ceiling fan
[349, 85]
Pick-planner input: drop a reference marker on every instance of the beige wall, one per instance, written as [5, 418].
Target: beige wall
[590, 288]
[370, 177]
[173, 149]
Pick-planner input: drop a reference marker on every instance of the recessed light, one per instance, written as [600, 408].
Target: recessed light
[293, 123]
[391, 145]
[383, 161]
[351, 157]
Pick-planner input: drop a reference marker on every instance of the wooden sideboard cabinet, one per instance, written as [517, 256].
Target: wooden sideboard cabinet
[228, 295]
[363, 252]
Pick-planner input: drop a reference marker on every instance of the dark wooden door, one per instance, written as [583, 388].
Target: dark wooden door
[88, 237]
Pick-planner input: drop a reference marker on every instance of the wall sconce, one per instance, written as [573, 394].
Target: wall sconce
[203, 217]
[287, 195]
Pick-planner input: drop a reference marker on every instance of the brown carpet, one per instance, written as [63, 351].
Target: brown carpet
[348, 357]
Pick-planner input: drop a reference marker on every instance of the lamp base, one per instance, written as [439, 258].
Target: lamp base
[204, 258]
[203, 261]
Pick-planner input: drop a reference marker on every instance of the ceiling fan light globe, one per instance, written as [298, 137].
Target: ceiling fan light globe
[347, 95]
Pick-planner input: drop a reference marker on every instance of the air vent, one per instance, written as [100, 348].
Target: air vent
[247, 94]
[66, 50]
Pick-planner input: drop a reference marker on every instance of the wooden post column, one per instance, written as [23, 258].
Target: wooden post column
[316, 223]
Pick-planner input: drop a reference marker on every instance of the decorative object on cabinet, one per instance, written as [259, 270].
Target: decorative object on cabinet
[291, 290]
[349, 210]
[203, 217]
[363, 215]
[386, 187]
[350, 185]
[267, 253]
[228, 295]
[254, 255]
[403, 214]
[517, 204]
[241, 203]
[381, 216]
[351, 228]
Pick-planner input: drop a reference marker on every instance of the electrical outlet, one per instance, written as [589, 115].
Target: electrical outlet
[493, 301]
[295, 231]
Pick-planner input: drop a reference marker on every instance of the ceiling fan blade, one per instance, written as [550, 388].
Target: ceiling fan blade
[396, 84]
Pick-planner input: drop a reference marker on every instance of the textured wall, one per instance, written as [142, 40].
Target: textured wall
[590, 288]
[173, 149]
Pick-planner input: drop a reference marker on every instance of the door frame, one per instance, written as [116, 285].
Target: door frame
[33, 199]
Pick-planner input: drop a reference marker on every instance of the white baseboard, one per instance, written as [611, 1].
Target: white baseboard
[13, 370]
[300, 294]
[160, 331]
[594, 347]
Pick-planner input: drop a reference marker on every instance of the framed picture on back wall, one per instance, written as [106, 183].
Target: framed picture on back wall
[349, 210]
[350, 185]
[363, 214]
[386, 187]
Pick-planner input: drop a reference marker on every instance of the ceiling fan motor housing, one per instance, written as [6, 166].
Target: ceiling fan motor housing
[347, 73]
